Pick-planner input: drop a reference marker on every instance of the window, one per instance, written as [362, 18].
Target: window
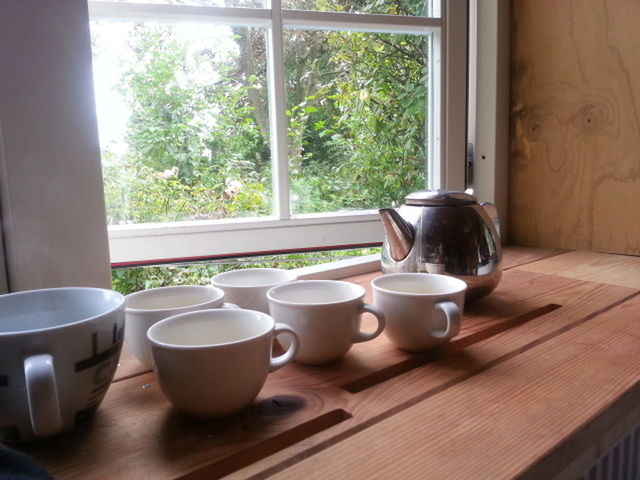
[233, 127]
[51, 201]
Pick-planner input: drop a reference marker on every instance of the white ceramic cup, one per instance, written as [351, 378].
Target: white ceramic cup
[213, 363]
[248, 288]
[146, 307]
[59, 349]
[326, 315]
[422, 309]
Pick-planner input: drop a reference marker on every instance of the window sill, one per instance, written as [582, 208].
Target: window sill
[340, 268]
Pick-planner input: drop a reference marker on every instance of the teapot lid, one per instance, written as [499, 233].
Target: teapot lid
[440, 198]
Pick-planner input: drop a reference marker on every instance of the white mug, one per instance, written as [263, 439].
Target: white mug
[422, 309]
[59, 349]
[146, 307]
[213, 363]
[326, 316]
[248, 288]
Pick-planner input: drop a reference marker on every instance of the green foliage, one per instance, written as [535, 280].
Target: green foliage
[197, 139]
[362, 131]
[129, 280]
[194, 150]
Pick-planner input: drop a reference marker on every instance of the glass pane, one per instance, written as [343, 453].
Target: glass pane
[385, 7]
[183, 121]
[357, 107]
[201, 3]
[132, 279]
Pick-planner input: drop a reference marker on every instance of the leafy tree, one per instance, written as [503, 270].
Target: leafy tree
[357, 123]
[194, 148]
[198, 135]
[129, 280]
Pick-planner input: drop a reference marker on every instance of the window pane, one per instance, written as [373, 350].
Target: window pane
[132, 279]
[182, 114]
[357, 107]
[385, 7]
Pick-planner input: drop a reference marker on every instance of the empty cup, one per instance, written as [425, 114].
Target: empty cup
[422, 309]
[248, 288]
[213, 363]
[145, 308]
[326, 315]
[59, 350]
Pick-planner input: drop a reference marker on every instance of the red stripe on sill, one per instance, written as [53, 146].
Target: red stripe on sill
[203, 258]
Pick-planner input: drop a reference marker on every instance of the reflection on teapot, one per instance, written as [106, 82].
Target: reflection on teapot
[444, 232]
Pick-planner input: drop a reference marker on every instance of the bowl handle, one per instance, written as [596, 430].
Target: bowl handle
[42, 395]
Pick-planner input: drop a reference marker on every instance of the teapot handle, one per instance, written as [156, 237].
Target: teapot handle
[492, 211]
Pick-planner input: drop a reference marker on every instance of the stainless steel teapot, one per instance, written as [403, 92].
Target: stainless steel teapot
[444, 232]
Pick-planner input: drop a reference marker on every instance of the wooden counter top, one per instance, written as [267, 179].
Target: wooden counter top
[543, 379]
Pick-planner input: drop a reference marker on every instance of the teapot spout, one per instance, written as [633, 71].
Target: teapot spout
[399, 232]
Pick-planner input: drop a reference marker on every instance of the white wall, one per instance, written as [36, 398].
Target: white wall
[51, 197]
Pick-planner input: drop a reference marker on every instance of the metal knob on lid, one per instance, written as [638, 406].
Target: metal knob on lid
[440, 198]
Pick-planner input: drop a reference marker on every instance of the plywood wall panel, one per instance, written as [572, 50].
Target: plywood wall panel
[574, 173]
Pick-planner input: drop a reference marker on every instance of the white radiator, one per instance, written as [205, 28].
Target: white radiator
[622, 462]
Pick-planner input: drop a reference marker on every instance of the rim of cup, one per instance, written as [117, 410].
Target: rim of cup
[454, 285]
[357, 292]
[46, 291]
[207, 318]
[219, 294]
[225, 279]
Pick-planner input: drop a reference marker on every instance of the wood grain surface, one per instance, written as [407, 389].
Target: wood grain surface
[515, 256]
[574, 177]
[129, 366]
[591, 266]
[305, 414]
[514, 412]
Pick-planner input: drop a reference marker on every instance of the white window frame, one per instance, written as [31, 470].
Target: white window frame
[489, 102]
[284, 231]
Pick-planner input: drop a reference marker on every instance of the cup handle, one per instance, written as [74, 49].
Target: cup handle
[287, 356]
[362, 336]
[229, 305]
[452, 312]
[42, 395]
